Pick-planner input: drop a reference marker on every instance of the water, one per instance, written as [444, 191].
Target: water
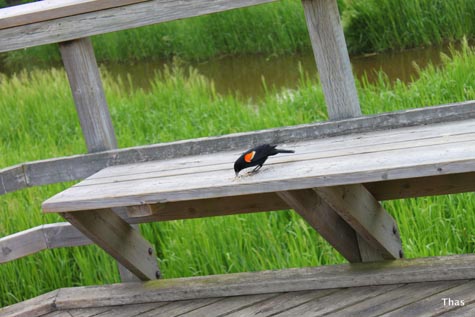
[244, 75]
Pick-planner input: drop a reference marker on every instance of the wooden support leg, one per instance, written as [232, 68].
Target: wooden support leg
[325, 220]
[91, 105]
[119, 239]
[86, 86]
[331, 55]
[377, 230]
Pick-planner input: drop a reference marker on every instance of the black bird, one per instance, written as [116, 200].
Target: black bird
[257, 157]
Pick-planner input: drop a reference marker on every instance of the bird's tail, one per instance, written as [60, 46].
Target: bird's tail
[284, 151]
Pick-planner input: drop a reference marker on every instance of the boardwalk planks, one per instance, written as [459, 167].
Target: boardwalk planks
[407, 287]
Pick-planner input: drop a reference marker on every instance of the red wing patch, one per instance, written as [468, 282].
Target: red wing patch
[249, 156]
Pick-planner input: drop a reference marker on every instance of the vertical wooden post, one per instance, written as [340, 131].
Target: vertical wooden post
[336, 76]
[331, 55]
[91, 105]
[86, 85]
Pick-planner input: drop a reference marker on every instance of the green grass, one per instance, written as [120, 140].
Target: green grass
[379, 25]
[38, 121]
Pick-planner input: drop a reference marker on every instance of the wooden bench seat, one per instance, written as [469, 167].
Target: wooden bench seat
[380, 156]
[334, 183]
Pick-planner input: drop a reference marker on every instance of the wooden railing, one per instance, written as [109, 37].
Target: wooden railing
[47, 22]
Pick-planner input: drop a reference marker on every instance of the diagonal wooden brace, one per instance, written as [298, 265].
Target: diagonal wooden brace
[325, 221]
[377, 230]
[119, 239]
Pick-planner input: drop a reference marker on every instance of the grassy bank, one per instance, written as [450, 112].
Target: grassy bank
[38, 121]
[379, 25]
[278, 28]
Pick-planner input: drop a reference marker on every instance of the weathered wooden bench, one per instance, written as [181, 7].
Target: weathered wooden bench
[322, 181]
[340, 170]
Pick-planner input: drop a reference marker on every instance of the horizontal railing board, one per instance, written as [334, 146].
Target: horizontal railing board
[12, 178]
[111, 20]
[53, 9]
[40, 238]
[78, 167]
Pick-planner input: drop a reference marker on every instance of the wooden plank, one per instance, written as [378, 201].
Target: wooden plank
[375, 142]
[11, 179]
[325, 221]
[396, 298]
[423, 186]
[88, 312]
[86, 86]
[210, 208]
[58, 235]
[111, 20]
[314, 278]
[119, 239]
[50, 9]
[37, 306]
[226, 306]
[58, 314]
[331, 55]
[294, 174]
[329, 304]
[434, 305]
[305, 151]
[40, 238]
[281, 303]
[466, 311]
[116, 311]
[179, 308]
[81, 166]
[22, 244]
[366, 216]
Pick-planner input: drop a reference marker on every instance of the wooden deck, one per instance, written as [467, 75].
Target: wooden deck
[440, 286]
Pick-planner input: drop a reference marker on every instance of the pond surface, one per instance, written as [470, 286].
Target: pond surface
[244, 75]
